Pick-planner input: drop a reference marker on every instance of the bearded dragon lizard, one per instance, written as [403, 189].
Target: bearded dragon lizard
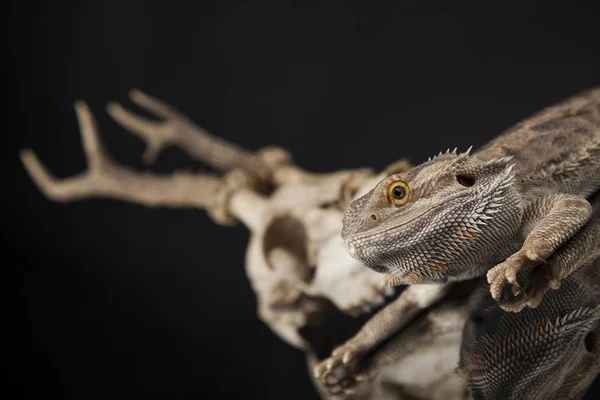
[503, 210]
[516, 211]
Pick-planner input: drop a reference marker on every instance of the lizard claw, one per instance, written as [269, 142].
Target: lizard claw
[504, 282]
[340, 374]
[345, 352]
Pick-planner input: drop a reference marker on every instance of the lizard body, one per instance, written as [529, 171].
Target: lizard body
[506, 208]
[518, 206]
[548, 352]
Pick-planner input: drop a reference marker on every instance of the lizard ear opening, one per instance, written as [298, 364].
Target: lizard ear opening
[465, 180]
[590, 342]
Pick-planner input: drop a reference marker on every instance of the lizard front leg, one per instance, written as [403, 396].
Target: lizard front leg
[342, 372]
[583, 248]
[551, 221]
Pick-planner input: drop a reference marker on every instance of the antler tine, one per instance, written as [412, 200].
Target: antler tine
[77, 186]
[65, 190]
[104, 178]
[177, 129]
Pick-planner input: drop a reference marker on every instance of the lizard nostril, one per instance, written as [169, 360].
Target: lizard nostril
[373, 217]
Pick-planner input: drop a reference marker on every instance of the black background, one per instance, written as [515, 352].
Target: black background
[119, 301]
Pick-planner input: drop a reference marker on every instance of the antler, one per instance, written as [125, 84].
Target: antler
[104, 178]
[248, 174]
[177, 129]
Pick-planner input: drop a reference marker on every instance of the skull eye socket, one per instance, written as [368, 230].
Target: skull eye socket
[398, 193]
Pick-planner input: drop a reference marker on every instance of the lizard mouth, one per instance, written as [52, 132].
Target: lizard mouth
[356, 244]
[374, 231]
[351, 240]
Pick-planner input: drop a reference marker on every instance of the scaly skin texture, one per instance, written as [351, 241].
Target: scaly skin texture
[543, 345]
[517, 209]
[503, 210]
[550, 352]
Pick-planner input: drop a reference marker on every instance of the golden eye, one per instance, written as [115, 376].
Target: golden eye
[398, 193]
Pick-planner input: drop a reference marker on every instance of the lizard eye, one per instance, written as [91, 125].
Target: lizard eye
[398, 193]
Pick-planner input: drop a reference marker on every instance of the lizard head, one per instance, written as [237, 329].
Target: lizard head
[435, 220]
[549, 352]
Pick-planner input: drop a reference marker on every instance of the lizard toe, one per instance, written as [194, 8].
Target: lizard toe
[497, 286]
[348, 357]
[515, 304]
[331, 362]
[341, 373]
